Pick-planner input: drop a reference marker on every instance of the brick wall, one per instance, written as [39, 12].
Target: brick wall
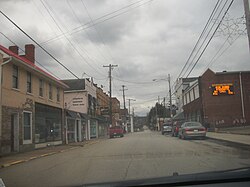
[224, 110]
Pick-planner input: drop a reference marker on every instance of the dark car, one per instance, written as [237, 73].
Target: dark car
[166, 129]
[192, 130]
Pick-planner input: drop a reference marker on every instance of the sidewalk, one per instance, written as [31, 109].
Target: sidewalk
[16, 158]
[234, 138]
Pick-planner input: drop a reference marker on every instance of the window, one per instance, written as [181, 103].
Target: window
[58, 94]
[28, 82]
[15, 77]
[41, 87]
[27, 127]
[50, 91]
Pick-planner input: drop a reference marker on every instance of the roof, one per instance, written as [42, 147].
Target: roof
[75, 84]
[231, 72]
[31, 65]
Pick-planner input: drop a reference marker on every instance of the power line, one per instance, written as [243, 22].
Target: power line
[210, 38]
[72, 45]
[39, 45]
[206, 37]
[201, 35]
[24, 52]
[98, 33]
[89, 25]
[203, 31]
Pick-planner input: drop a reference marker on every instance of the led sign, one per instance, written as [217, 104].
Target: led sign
[222, 89]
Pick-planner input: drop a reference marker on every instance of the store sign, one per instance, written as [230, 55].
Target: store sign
[104, 110]
[78, 101]
[222, 89]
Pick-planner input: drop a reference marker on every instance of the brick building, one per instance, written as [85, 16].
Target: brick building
[115, 111]
[220, 99]
[31, 103]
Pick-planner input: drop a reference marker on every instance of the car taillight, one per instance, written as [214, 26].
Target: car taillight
[203, 129]
[187, 129]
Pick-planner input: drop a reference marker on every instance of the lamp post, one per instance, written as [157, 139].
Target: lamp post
[170, 93]
[131, 120]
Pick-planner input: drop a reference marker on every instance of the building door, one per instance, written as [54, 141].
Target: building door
[78, 131]
[14, 133]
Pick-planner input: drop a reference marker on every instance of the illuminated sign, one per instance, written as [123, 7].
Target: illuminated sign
[222, 89]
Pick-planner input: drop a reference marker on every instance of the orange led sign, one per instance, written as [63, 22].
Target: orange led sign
[222, 89]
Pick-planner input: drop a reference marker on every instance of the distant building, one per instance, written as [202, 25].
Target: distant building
[181, 85]
[219, 99]
[80, 98]
[31, 103]
[102, 111]
[115, 111]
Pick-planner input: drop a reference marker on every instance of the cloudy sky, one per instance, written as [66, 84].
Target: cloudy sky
[147, 39]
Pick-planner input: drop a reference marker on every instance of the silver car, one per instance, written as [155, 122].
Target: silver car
[191, 130]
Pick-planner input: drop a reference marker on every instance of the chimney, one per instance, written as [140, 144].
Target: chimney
[14, 49]
[30, 52]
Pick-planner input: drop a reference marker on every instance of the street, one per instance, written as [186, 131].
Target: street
[135, 156]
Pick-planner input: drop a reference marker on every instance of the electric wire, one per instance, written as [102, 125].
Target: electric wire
[210, 38]
[26, 34]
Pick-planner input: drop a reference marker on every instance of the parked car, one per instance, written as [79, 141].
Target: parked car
[166, 129]
[175, 128]
[191, 130]
[116, 131]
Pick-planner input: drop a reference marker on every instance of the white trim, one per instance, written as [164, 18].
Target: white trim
[28, 141]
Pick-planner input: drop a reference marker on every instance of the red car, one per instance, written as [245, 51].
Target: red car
[116, 131]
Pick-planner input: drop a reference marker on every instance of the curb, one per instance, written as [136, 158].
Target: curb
[228, 141]
[35, 157]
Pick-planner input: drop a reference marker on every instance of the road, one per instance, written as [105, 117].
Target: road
[140, 155]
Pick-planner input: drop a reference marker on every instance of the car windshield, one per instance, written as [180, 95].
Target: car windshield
[96, 91]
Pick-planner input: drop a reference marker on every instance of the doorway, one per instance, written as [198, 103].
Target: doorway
[14, 133]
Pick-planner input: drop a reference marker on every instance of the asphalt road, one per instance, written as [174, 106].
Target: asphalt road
[140, 155]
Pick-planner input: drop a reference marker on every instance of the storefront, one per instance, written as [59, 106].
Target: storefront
[102, 126]
[76, 126]
[48, 125]
[93, 128]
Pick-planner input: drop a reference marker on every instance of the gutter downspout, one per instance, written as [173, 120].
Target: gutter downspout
[1, 64]
[242, 98]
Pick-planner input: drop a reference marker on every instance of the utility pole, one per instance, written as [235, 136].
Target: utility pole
[247, 14]
[123, 93]
[110, 66]
[131, 122]
[170, 95]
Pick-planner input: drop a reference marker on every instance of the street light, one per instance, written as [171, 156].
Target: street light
[170, 94]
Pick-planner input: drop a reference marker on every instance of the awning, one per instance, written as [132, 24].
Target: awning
[72, 114]
[179, 116]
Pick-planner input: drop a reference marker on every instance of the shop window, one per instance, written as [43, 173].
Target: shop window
[48, 122]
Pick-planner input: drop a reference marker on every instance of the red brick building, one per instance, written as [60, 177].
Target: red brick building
[222, 99]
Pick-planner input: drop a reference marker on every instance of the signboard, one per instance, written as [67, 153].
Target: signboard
[222, 89]
[104, 110]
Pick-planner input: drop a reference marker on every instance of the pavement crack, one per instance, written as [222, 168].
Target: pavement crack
[126, 172]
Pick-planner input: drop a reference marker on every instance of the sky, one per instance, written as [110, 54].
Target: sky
[147, 39]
